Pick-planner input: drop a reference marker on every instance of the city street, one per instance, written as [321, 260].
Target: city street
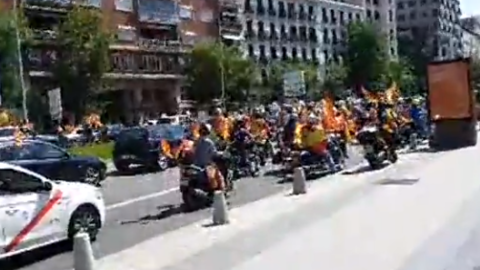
[143, 206]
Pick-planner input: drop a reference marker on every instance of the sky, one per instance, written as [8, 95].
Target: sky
[470, 7]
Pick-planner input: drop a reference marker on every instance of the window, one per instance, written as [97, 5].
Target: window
[185, 13]
[46, 151]
[14, 152]
[12, 181]
[124, 5]
[92, 3]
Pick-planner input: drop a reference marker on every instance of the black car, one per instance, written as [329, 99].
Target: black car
[141, 146]
[52, 161]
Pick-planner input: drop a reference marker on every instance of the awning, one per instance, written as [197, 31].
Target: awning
[232, 37]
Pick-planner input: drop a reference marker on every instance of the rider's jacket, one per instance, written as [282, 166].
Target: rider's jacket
[221, 127]
[314, 139]
[259, 128]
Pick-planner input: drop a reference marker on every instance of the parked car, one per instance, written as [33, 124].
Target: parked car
[52, 161]
[48, 210]
[141, 146]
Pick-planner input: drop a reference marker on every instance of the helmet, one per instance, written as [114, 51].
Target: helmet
[205, 129]
[312, 119]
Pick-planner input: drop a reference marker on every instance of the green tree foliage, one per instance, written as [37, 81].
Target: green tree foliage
[334, 79]
[10, 85]
[402, 73]
[418, 47]
[213, 65]
[83, 58]
[366, 57]
[475, 75]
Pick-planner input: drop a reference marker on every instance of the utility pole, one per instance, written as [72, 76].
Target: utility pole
[20, 62]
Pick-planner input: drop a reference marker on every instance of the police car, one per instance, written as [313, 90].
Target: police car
[36, 211]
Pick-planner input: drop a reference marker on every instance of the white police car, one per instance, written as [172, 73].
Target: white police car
[35, 211]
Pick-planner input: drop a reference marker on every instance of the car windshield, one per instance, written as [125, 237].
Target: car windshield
[7, 132]
[166, 131]
[134, 132]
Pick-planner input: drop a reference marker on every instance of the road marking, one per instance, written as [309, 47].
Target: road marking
[140, 199]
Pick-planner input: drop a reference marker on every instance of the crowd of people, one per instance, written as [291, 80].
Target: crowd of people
[306, 126]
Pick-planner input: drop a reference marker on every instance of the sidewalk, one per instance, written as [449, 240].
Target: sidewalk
[255, 227]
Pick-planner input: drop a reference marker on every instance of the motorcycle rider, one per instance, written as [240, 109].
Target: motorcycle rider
[387, 119]
[315, 143]
[204, 155]
[242, 139]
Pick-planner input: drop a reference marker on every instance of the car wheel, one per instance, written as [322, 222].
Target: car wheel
[92, 176]
[85, 219]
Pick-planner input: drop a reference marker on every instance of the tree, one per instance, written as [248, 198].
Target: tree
[402, 73]
[366, 58]
[334, 79]
[213, 66]
[10, 85]
[83, 49]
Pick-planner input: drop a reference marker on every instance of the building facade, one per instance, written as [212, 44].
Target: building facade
[471, 36]
[152, 39]
[439, 19]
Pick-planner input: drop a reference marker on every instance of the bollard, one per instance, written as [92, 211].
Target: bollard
[82, 252]
[220, 209]
[299, 181]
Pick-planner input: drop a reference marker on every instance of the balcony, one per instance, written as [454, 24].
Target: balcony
[124, 64]
[302, 15]
[166, 46]
[282, 13]
[44, 35]
[51, 5]
[271, 11]
[261, 10]
[145, 63]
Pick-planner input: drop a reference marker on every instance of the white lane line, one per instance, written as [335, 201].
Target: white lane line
[140, 199]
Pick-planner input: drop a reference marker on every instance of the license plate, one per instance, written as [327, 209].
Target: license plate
[184, 182]
[128, 157]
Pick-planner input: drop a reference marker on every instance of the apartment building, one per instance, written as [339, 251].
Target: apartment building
[153, 37]
[231, 21]
[471, 36]
[439, 19]
[304, 30]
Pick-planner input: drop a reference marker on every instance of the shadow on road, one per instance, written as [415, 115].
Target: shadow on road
[363, 169]
[35, 256]
[140, 170]
[398, 182]
[166, 211]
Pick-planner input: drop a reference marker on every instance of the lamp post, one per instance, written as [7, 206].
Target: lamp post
[20, 62]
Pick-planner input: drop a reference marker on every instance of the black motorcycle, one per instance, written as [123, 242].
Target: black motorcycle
[197, 190]
[245, 162]
[375, 149]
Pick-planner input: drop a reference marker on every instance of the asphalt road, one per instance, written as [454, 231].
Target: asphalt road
[142, 206]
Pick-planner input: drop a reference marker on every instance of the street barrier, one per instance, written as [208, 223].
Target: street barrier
[220, 209]
[82, 252]
[299, 181]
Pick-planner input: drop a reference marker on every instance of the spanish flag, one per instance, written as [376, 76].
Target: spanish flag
[392, 94]
[369, 96]
[166, 149]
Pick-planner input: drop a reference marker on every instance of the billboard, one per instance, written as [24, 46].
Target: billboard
[294, 84]
[449, 93]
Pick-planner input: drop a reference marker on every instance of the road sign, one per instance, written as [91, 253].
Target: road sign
[294, 84]
[55, 102]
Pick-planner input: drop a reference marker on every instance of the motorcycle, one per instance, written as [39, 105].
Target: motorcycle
[197, 188]
[374, 147]
[335, 142]
[251, 166]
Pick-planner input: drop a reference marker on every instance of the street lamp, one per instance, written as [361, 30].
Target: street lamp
[20, 62]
